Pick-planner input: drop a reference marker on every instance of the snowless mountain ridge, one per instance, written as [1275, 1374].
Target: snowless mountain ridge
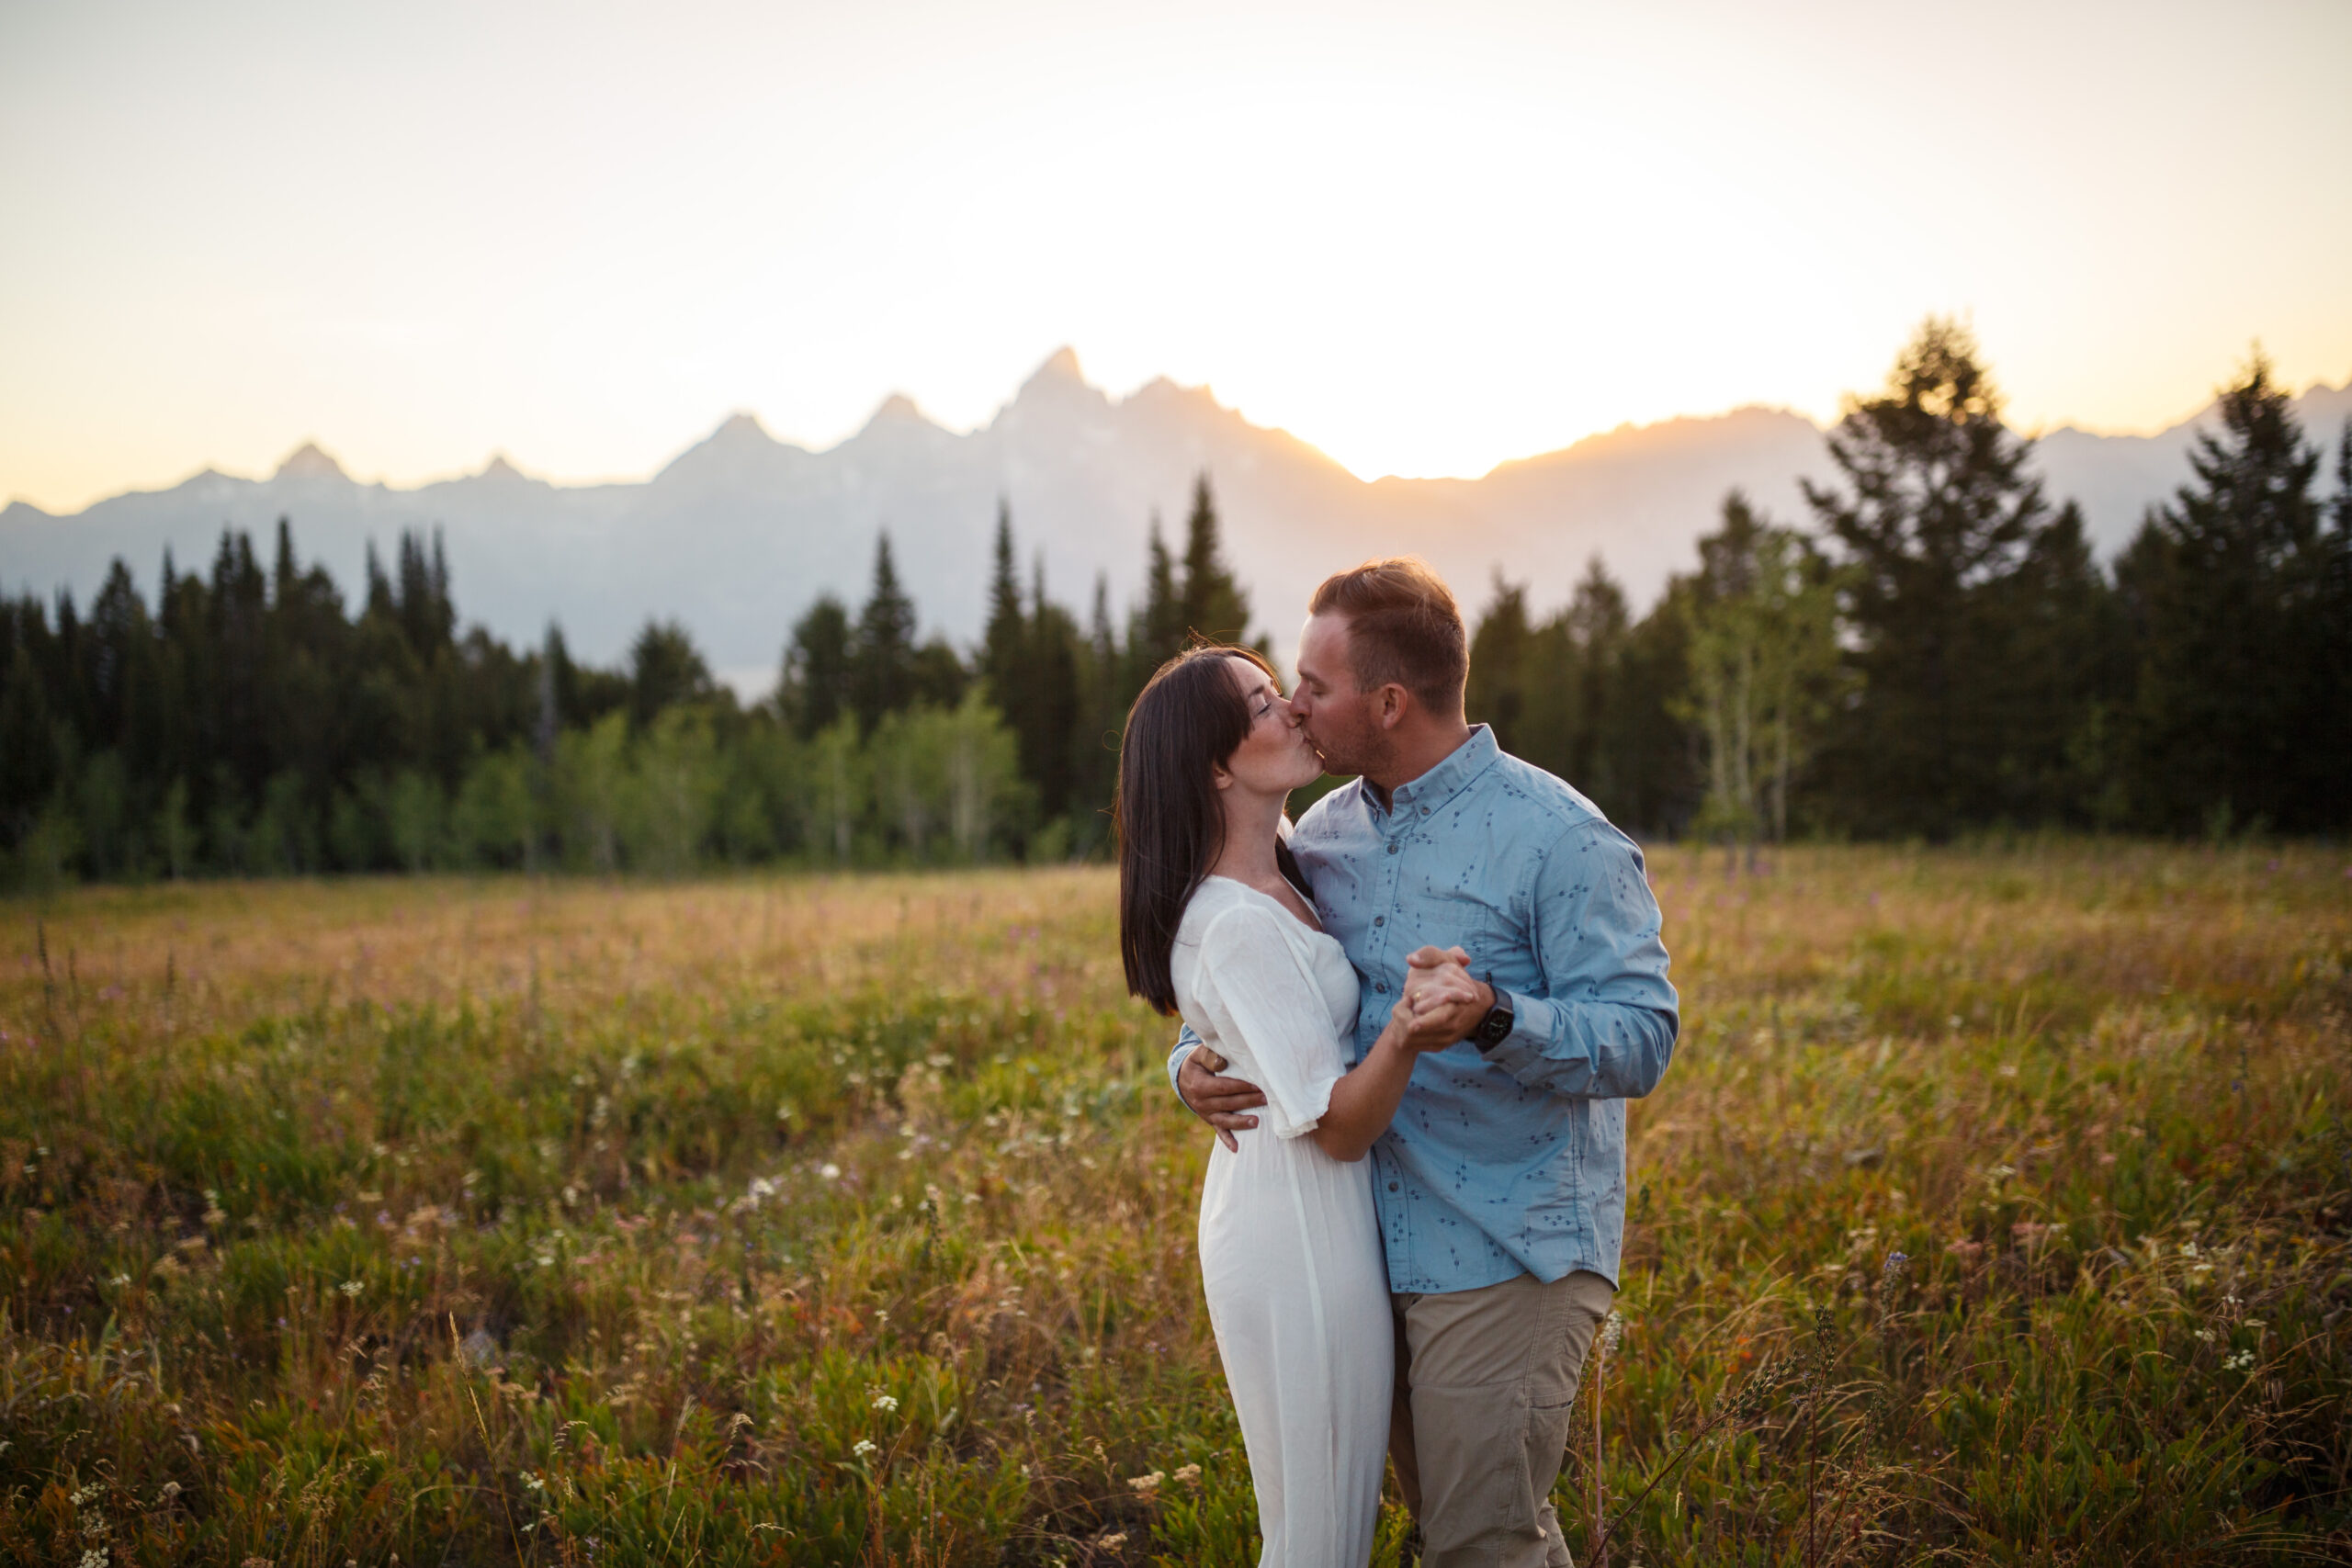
[740, 531]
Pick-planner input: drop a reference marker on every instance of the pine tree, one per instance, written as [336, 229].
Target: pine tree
[1215, 607]
[1935, 510]
[1497, 692]
[882, 661]
[1158, 631]
[2332, 740]
[1047, 732]
[815, 691]
[2226, 583]
[1000, 642]
[2060, 682]
[665, 671]
[1597, 622]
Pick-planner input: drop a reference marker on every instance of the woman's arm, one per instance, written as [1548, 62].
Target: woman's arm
[1364, 1102]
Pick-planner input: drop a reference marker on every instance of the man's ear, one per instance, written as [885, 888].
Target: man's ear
[1395, 702]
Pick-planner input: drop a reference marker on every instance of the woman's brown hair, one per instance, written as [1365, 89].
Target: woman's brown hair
[1170, 825]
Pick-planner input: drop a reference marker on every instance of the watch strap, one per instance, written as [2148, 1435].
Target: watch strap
[1495, 1027]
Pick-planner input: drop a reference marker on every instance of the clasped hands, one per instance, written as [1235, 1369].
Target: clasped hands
[1441, 1004]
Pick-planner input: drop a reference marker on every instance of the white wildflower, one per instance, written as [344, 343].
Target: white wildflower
[885, 1402]
[829, 1171]
[863, 1448]
[351, 1288]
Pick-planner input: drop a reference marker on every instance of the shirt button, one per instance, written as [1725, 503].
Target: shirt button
[1382, 987]
[1425, 811]
[1392, 846]
[1379, 919]
[1392, 1187]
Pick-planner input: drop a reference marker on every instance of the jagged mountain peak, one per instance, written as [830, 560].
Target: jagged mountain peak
[1062, 363]
[896, 409]
[308, 462]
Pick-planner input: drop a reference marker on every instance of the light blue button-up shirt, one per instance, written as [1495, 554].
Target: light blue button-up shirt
[1510, 1161]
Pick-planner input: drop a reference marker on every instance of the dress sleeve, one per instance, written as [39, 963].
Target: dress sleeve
[1257, 989]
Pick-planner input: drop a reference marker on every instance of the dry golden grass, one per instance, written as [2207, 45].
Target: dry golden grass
[574, 1222]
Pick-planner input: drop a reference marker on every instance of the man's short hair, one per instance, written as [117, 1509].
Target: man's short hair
[1403, 625]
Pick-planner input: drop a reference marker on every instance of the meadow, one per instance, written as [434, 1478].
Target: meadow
[1997, 1208]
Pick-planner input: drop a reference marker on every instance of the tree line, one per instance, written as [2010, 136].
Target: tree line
[245, 722]
[1939, 652]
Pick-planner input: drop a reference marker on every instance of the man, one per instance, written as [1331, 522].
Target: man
[1501, 1183]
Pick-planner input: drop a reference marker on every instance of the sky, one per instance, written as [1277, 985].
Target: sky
[1426, 239]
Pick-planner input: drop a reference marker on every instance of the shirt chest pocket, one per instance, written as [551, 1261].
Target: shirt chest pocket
[1489, 935]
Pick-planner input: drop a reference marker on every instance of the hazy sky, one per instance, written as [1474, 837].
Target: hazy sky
[1424, 238]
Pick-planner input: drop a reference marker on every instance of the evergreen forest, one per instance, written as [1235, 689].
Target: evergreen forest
[1933, 652]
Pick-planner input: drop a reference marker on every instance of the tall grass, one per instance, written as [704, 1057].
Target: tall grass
[1994, 1209]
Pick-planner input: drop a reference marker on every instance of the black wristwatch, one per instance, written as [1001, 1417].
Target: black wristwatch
[1495, 1027]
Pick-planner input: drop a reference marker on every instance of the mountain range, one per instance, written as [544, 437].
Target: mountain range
[737, 533]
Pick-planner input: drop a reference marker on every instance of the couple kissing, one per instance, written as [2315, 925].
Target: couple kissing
[1414, 1019]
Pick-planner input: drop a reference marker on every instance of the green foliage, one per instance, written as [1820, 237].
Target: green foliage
[1763, 656]
[2236, 594]
[1588, 694]
[1935, 517]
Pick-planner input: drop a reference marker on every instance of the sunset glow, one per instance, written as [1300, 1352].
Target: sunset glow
[1425, 241]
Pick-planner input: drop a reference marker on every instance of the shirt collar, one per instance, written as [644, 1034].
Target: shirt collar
[1448, 779]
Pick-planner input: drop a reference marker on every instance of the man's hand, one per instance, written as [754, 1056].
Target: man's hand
[1447, 1003]
[1219, 1101]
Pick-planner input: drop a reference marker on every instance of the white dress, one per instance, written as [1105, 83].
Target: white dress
[1290, 1244]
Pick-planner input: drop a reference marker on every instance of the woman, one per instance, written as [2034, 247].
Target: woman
[1215, 923]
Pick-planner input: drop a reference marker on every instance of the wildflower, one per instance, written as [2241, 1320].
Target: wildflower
[885, 1402]
[1189, 1474]
[829, 1171]
[351, 1288]
[1612, 1331]
[534, 1483]
[862, 1448]
[1113, 1542]
[2242, 1361]
[1897, 1265]
[1146, 1486]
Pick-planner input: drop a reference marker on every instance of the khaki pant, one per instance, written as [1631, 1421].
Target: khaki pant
[1486, 1392]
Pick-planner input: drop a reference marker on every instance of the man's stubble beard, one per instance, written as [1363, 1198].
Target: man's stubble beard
[1367, 756]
